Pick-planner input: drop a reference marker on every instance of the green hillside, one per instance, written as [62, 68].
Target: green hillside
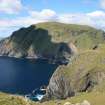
[44, 39]
[82, 79]
[85, 73]
[82, 36]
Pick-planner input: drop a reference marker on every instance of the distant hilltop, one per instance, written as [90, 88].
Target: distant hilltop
[44, 40]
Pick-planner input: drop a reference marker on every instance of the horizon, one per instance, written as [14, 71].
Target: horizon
[50, 22]
[15, 14]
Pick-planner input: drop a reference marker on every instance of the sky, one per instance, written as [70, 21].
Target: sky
[15, 14]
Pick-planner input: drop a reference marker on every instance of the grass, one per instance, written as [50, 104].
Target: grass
[88, 61]
[85, 73]
[43, 38]
[95, 98]
[6, 99]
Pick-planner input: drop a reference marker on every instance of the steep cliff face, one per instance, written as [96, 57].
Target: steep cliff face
[34, 46]
[59, 87]
[58, 42]
[85, 73]
[50, 40]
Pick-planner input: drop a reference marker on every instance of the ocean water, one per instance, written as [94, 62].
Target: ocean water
[23, 76]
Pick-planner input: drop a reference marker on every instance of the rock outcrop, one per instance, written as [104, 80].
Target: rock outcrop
[84, 74]
[50, 40]
[59, 51]
[59, 87]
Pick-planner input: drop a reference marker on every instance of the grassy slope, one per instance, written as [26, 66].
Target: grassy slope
[50, 33]
[91, 61]
[95, 98]
[81, 35]
[6, 99]
[88, 61]
[85, 61]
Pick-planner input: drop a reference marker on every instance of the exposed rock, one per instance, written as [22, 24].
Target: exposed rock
[58, 103]
[84, 74]
[73, 48]
[15, 46]
[78, 104]
[85, 102]
[67, 103]
[50, 40]
[59, 87]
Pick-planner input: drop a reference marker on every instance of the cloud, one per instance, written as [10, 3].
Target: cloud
[45, 14]
[10, 6]
[102, 3]
[33, 18]
[95, 19]
[82, 19]
[97, 14]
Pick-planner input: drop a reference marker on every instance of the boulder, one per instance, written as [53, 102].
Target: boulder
[68, 103]
[85, 102]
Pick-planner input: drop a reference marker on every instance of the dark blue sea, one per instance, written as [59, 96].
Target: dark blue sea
[23, 76]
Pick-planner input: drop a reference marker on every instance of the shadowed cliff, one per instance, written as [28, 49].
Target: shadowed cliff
[34, 42]
[50, 40]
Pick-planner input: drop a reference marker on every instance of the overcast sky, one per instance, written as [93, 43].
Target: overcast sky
[18, 13]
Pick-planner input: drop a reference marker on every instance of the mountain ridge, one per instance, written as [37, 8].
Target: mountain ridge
[45, 39]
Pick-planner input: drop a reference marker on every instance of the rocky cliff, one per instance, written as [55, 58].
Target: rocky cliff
[85, 73]
[50, 40]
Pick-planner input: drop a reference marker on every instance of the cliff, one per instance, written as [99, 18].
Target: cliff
[85, 73]
[50, 40]
[83, 46]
